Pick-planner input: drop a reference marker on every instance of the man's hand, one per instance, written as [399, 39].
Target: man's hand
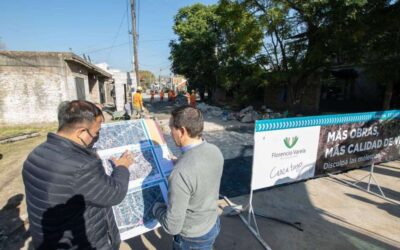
[125, 160]
[173, 158]
[158, 205]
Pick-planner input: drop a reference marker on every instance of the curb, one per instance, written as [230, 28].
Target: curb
[19, 137]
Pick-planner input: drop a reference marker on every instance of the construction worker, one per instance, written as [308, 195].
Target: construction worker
[137, 102]
[161, 95]
[193, 99]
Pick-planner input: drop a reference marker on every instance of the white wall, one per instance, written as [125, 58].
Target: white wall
[121, 78]
[30, 94]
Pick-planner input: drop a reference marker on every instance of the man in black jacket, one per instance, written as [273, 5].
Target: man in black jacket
[68, 194]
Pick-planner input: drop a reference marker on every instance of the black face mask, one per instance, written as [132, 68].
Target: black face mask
[94, 140]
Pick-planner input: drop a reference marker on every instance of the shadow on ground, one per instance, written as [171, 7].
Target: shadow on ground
[385, 171]
[156, 239]
[322, 229]
[12, 230]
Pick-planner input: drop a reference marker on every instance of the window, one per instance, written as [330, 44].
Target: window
[80, 88]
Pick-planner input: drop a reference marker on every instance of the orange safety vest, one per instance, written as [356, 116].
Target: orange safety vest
[193, 100]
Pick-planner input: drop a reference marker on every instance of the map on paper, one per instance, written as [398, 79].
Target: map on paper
[134, 215]
[120, 134]
[144, 167]
[163, 158]
[148, 172]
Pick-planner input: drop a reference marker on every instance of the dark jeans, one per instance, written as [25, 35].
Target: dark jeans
[204, 242]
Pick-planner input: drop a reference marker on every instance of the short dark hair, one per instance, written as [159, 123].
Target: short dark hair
[75, 112]
[189, 118]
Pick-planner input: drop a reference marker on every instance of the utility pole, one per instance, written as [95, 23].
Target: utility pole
[135, 42]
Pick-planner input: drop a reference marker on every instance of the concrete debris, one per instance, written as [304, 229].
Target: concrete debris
[247, 109]
[251, 117]
[202, 106]
[216, 112]
[231, 116]
[208, 108]
[247, 118]
[246, 115]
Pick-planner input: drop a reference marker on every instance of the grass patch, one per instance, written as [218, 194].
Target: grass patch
[9, 131]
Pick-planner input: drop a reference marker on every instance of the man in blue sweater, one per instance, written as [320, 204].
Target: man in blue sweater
[191, 214]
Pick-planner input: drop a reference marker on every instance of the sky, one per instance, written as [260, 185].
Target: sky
[96, 28]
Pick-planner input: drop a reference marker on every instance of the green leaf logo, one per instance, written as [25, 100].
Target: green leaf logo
[290, 142]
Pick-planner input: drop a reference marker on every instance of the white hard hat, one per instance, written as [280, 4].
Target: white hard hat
[139, 88]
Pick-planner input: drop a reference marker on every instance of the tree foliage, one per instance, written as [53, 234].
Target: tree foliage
[193, 53]
[146, 78]
[242, 45]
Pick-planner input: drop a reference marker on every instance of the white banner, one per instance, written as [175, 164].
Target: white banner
[282, 156]
[297, 148]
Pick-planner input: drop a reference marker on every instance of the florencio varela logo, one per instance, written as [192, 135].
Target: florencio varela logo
[290, 142]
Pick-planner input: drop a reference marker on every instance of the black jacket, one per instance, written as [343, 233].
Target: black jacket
[69, 197]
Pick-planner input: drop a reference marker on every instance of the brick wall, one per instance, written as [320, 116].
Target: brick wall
[33, 84]
[31, 89]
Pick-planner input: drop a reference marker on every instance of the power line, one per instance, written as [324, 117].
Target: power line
[106, 48]
[119, 45]
[116, 36]
[155, 40]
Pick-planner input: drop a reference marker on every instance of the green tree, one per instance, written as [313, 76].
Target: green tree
[193, 53]
[146, 78]
[239, 41]
[382, 50]
[302, 38]
[244, 44]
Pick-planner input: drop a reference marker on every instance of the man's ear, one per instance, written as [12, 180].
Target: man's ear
[79, 131]
[183, 131]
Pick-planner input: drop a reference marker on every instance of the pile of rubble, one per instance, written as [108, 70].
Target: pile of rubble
[246, 115]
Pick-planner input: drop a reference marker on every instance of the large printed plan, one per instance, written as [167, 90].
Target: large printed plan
[148, 173]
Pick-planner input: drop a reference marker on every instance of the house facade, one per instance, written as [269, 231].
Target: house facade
[124, 84]
[33, 84]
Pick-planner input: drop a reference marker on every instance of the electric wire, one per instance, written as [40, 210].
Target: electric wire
[116, 36]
